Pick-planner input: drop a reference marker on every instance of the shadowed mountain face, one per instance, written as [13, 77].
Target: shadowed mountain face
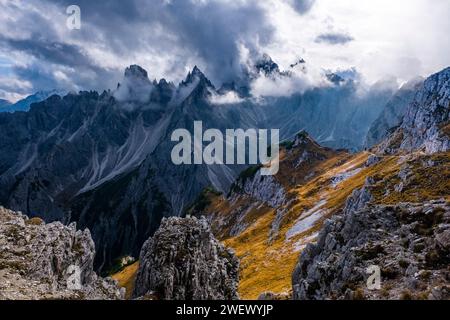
[103, 160]
[335, 117]
[392, 115]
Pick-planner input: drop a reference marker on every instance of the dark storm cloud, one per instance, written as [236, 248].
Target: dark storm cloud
[207, 33]
[53, 60]
[207, 30]
[302, 6]
[213, 32]
[334, 38]
[45, 76]
[53, 52]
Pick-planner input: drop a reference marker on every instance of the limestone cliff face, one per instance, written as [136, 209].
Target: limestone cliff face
[392, 116]
[426, 123]
[263, 188]
[183, 261]
[427, 114]
[104, 160]
[48, 261]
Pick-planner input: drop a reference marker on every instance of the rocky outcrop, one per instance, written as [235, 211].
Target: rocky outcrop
[408, 242]
[262, 188]
[183, 261]
[392, 115]
[48, 261]
[426, 123]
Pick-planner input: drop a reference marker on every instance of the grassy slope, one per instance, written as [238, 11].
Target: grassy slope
[268, 265]
[126, 278]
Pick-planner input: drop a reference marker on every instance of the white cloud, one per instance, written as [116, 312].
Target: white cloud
[280, 86]
[229, 97]
[403, 38]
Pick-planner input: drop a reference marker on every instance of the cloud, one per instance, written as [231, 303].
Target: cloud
[165, 37]
[169, 37]
[56, 63]
[283, 85]
[214, 30]
[36, 45]
[13, 88]
[302, 6]
[334, 38]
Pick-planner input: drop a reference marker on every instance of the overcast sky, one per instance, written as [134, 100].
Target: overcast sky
[380, 38]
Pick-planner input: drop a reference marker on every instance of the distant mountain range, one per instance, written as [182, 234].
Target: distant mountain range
[24, 104]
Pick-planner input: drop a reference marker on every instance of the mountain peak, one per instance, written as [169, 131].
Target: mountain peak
[25, 104]
[197, 71]
[197, 75]
[136, 72]
[266, 65]
[136, 85]
[4, 103]
[300, 61]
[303, 138]
[334, 78]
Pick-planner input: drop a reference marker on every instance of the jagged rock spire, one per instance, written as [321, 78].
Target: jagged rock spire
[137, 72]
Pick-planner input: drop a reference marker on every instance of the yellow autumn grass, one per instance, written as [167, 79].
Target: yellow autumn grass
[127, 277]
[268, 265]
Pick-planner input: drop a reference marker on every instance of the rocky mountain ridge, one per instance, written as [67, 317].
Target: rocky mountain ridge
[398, 222]
[103, 160]
[408, 242]
[392, 116]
